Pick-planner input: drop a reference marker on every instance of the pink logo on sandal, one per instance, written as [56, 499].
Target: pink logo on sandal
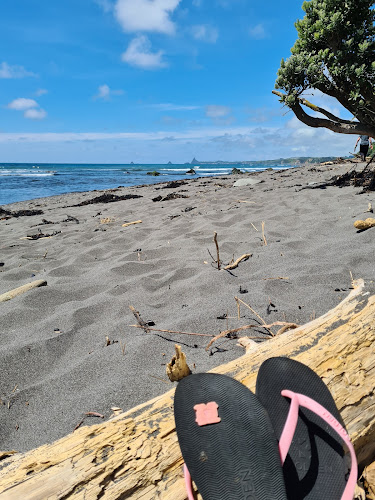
[206, 414]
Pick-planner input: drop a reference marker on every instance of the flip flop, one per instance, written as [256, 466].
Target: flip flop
[227, 440]
[310, 431]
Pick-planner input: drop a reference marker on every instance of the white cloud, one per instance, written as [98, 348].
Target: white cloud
[139, 54]
[40, 92]
[106, 5]
[21, 104]
[215, 111]
[173, 107]
[205, 32]
[146, 15]
[7, 71]
[35, 114]
[233, 141]
[258, 32]
[104, 92]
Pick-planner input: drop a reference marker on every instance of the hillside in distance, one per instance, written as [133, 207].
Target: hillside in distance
[298, 160]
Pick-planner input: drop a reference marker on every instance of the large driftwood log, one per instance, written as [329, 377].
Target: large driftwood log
[136, 454]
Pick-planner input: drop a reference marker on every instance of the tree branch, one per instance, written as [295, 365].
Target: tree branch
[334, 123]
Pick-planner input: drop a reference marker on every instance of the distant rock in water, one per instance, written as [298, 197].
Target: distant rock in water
[169, 163]
[132, 163]
[236, 171]
[191, 171]
[194, 160]
[154, 173]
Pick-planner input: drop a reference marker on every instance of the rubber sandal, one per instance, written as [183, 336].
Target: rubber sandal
[309, 429]
[227, 440]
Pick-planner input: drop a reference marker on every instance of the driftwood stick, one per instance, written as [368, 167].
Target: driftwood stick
[141, 323]
[173, 331]
[238, 310]
[236, 262]
[286, 326]
[224, 333]
[131, 223]
[22, 289]
[277, 278]
[94, 414]
[256, 314]
[217, 250]
[263, 235]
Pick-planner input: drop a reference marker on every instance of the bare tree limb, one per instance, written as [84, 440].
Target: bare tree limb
[335, 124]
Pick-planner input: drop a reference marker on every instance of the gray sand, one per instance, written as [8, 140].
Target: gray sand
[55, 361]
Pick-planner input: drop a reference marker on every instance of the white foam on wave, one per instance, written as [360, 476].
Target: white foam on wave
[26, 173]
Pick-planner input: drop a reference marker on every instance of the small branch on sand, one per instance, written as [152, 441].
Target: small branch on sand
[131, 223]
[178, 368]
[254, 312]
[236, 262]
[232, 331]
[141, 323]
[245, 201]
[217, 250]
[88, 414]
[254, 227]
[94, 414]
[263, 235]
[22, 289]
[277, 278]
[286, 326]
[122, 347]
[172, 331]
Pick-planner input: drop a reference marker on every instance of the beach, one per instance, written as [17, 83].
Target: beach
[68, 348]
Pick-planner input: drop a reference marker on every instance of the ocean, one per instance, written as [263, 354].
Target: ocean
[26, 181]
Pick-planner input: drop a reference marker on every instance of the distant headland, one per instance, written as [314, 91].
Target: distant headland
[298, 160]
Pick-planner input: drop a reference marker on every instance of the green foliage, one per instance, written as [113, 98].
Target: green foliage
[334, 53]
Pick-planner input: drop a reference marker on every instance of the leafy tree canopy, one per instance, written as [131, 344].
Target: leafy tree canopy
[335, 53]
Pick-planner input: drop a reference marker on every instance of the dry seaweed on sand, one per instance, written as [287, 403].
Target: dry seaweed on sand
[107, 198]
[365, 178]
[19, 213]
[170, 196]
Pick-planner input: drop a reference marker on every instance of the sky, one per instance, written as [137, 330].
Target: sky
[151, 81]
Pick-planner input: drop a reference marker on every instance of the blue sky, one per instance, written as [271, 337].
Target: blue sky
[150, 81]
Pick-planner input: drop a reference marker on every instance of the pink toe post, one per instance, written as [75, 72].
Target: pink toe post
[286, 438]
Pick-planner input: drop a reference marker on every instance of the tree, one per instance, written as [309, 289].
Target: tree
[334, 54]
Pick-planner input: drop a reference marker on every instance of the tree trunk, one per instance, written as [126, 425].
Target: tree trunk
[136, 454]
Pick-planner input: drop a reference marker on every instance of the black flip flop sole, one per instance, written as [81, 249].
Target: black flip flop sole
[236, 458]
[315, 467]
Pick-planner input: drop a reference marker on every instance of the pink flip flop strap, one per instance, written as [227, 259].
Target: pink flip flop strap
[188, 483]
[286, 438]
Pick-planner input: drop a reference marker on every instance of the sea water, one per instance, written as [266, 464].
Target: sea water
[26, 181]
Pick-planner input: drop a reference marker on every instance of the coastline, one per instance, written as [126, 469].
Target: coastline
[57, 361]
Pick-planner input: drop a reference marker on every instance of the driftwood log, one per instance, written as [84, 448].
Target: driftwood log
[136, 454]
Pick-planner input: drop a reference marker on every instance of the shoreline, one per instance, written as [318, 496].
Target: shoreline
[57, 361]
